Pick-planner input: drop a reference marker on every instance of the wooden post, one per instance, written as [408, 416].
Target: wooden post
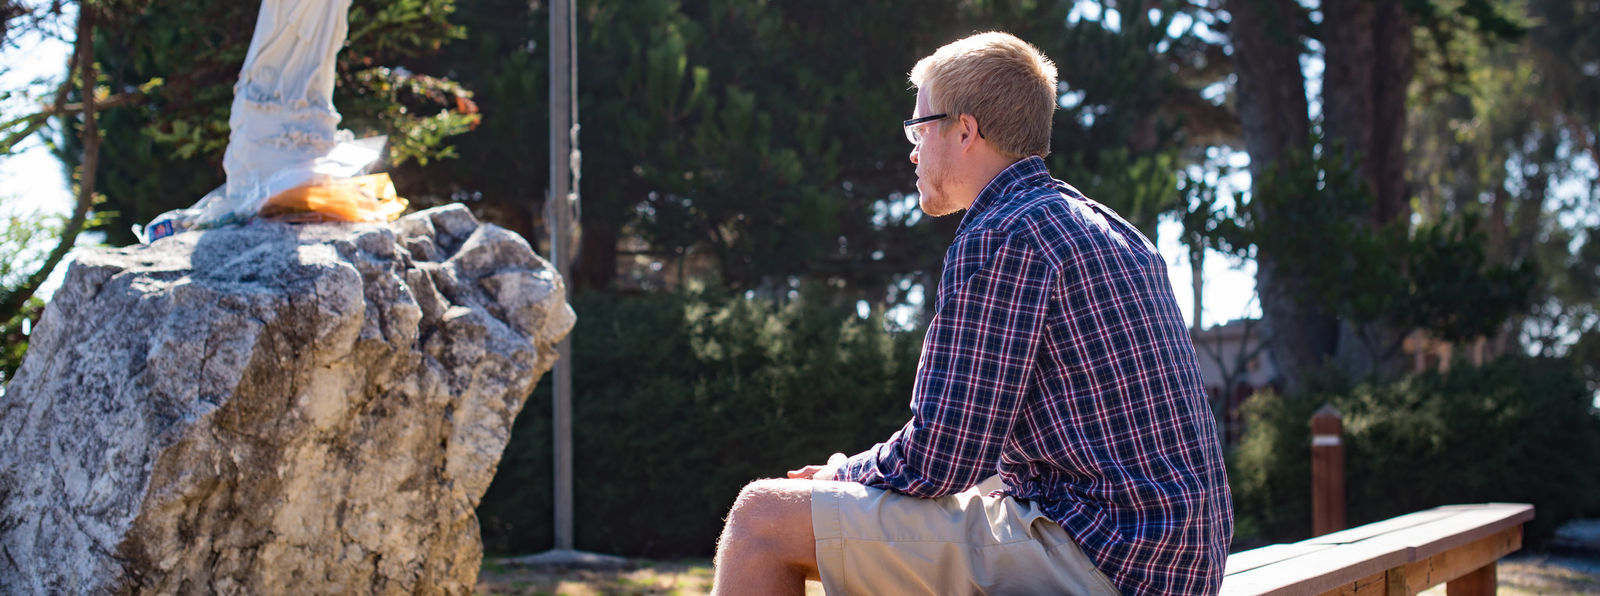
[1327, 471]
[1482, 582]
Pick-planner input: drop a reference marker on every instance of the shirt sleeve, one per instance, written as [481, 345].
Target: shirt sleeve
[977, 364]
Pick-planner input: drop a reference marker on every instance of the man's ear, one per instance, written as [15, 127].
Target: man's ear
[969, 131]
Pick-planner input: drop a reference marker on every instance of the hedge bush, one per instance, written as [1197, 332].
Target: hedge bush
[679, 400]
[1518, 430]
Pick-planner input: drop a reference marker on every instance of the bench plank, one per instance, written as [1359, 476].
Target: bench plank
[1360, 533]
[1403, 554]
[1474, 523]
[1319, 571]
[1372, 585]
[1268, 555]
[1462, 526]
[1450, 565]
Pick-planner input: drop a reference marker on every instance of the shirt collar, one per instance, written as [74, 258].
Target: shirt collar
[1017, 174]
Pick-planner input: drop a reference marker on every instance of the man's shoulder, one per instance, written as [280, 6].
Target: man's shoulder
[1060, 224]
[1046, 214]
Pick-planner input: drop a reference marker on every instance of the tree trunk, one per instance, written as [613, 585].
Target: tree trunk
[1348, 95]
[1271, 88]
[1197, 266]
[1273, 113]
[1368, 68]
[1369, 65]
[1392, 73]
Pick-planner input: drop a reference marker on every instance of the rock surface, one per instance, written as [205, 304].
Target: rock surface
[273, 409]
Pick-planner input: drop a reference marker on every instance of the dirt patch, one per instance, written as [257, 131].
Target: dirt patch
[640, 577]
[1519, 576]
[1527, 575]
[1549, 575]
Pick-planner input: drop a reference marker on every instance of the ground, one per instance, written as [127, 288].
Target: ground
[642, 577]
[1519, 575]
[664, 578]
[1544, 574]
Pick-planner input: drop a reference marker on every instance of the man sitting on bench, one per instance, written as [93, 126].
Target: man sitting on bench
[1057, 357]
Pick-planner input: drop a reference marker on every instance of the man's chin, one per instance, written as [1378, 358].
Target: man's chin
[933, 208]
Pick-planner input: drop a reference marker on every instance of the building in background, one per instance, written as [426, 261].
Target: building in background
[1234, 363]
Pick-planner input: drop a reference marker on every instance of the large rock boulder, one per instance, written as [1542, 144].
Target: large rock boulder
[273, 409]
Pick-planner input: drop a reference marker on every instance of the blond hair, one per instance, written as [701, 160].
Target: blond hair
[1004, 83]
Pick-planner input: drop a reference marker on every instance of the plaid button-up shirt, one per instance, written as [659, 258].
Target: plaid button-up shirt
[1058, 358]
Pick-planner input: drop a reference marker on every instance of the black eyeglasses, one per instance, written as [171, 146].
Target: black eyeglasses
[914, 127]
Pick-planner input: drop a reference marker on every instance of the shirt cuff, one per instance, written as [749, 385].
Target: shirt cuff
[860, 468]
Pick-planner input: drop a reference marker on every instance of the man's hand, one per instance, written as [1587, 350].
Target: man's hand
[822, 472]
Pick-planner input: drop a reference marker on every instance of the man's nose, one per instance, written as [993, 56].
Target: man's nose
[914, 150]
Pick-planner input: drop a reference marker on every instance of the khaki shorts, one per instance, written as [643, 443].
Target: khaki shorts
[871, 541]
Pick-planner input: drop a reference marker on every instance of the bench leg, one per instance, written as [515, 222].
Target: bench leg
[1481, 582]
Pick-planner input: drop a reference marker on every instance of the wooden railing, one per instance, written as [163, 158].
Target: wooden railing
[1457, 545]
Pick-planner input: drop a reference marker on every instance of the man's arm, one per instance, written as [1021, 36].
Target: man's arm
[977, 365]
[822, 472]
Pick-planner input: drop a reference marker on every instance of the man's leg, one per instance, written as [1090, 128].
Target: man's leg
[767, 545]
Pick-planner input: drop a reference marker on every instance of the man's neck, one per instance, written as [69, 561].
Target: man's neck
[993, 165]
[984, 168]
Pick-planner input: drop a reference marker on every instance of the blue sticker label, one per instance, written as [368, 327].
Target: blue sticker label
[160, 229]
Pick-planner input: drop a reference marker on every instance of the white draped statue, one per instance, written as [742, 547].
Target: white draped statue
[283, 120]
[284, 129]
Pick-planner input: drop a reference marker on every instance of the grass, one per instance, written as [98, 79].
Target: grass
[1523, 575]
[641, 577]
[1540, 575]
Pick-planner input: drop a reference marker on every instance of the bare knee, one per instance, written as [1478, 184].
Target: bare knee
[771, 502]
[773, 518]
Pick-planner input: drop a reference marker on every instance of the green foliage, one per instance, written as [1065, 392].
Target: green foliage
[503, 163]
[706, 124]
[737, 118]
[709, 124]
[1516, 125]
[1458, 294]
[1452, 25]
[1134, 114]
[1435, 277]
[25, 240]
[1518, 430]
[13, 342]
[681, 399]
[397, 100]
[1268, 473]
[1570, 301]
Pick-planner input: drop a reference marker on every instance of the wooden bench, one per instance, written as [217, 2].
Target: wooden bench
[1457, 545]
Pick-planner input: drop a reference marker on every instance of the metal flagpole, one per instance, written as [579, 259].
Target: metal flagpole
[561, 208]
[560, 216]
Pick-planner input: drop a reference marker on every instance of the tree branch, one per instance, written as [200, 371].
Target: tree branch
[114, 101]
[38, 119]
[83, 59]
[34, 123]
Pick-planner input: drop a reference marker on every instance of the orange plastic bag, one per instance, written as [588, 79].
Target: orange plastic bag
[369, 198]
